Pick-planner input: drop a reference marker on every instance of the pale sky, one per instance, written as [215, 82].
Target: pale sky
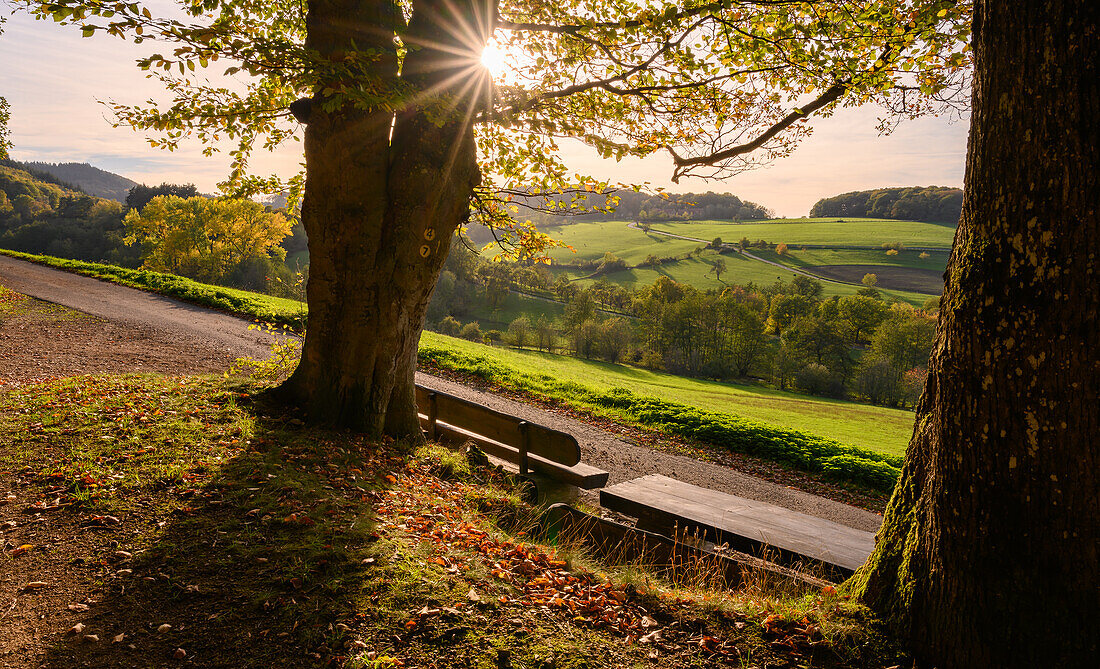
[52, 78]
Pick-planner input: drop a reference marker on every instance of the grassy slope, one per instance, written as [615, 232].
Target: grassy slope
[810, 258]
[515, 305]
[831, 231]
[875, 428]
[591, 240]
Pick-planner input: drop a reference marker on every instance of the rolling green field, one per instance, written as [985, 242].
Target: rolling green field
[828, 231]
[515, 305]
[875, 428]
[591, 239]
[903, 274]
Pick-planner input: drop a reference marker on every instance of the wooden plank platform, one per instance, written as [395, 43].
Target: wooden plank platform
[665, 505]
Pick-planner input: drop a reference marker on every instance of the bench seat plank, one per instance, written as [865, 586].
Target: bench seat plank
[542, 441]
[581, 475]
[748, 525]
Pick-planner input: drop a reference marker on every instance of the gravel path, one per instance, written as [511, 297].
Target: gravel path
[195, 329]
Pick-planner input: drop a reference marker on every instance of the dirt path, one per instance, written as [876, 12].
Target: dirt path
[182, 338]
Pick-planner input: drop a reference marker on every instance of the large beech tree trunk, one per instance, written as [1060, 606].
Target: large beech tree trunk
[380, 209]
[989, 554]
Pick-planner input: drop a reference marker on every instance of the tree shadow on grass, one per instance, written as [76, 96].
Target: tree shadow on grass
[256, 561]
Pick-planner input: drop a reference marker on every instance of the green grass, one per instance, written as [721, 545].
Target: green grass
[514, 306]
[810, 258]
[878, 429]
[828, 231]
[256, 305]
[592, 239]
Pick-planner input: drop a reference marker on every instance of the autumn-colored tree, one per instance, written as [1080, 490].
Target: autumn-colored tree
[204, 238]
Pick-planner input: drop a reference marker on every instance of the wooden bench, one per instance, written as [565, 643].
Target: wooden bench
[672, 507]
[530, 446]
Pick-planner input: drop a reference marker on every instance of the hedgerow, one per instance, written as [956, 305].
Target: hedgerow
[838, 461]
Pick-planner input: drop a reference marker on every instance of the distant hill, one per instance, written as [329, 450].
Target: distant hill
[931, 204]
[91, 180]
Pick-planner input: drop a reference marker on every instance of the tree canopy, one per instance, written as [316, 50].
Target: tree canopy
[718, 85]
[204, 238]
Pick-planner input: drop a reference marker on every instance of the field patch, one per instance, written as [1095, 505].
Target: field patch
[898, 278]
[824, 231]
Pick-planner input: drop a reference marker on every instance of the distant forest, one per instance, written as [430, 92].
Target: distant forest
[39, 213]
[934, 204]
[666, 207]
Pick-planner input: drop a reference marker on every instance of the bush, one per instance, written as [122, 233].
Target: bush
[471, 331]
[450, 326]
[781, 249]
[520, 331]
[817, 379]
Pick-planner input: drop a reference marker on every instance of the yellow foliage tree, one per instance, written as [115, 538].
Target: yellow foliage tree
[205, 238]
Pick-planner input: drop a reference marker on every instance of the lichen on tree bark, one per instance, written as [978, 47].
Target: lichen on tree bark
[989, 554]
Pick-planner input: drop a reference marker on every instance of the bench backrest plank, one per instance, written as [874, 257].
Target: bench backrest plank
[542, 441]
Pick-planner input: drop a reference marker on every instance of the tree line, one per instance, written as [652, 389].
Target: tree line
[936, 204]
[167, 228]
[636, 206]
[787, 334]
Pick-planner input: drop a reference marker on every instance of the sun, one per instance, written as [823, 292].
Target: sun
[493, 58]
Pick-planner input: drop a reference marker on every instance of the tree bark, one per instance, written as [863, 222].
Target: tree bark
[380, 209]
[989, 553]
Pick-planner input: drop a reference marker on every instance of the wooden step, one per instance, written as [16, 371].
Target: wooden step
[668, 506]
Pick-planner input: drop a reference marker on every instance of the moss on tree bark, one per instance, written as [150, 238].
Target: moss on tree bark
[989, 554]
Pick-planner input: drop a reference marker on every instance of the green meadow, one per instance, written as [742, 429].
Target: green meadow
[875, 428]
[590, 240]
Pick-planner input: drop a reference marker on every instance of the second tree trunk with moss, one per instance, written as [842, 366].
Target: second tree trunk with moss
[989, 554]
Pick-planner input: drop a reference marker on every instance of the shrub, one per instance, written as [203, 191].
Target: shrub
[450, 326]
[781, 249]
[817, 379]
[520, 329]
[471, 331]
